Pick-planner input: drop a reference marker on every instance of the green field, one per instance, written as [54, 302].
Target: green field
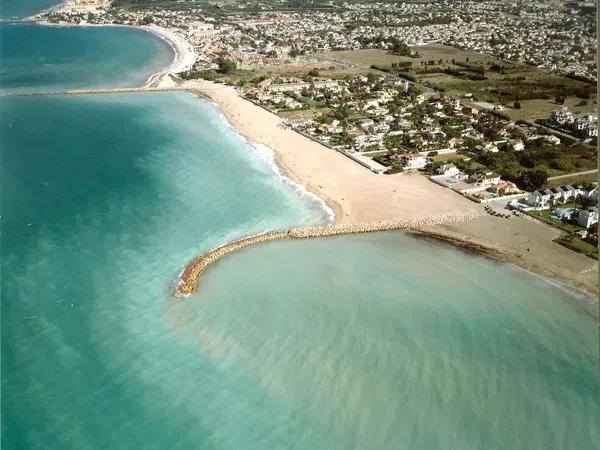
[576, 180]
[485, 77]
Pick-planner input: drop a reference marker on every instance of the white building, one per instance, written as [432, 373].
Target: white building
[588, 217]
[414, 161]
[448, 170]
[538, 199]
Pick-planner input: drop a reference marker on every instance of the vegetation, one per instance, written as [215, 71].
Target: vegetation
[579, 245]
[226, 66]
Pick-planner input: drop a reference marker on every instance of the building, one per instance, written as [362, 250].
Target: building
[448, 170]
[562, 116]
[505, 188]
[588, 217]
[538, 199]
[413, 161]
[485, 179]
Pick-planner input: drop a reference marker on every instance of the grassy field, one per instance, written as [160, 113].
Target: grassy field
[579, 246]
[364, 58]
[504, 80]
[541, 109]
[576, 180]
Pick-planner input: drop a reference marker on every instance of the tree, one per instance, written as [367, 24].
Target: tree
[225, 65]
[533, 179]
[313, 72]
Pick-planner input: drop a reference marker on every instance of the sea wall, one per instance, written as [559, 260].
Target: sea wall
[188, 280]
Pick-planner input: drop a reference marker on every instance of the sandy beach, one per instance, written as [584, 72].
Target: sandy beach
[185, 57]
[359, 196]
[356, 194]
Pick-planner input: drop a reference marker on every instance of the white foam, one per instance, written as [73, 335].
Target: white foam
[267, 155]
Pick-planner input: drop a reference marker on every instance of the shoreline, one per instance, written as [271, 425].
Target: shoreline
[330, 207]
[357, 196]
[546, 259]
[591, 304]
[309, 164]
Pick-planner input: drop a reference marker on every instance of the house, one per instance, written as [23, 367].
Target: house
[412, 161]
[405, 124]
[558, 193]
[470, 110]
[366, 123]
[505, 188]
[588, 217]
[551, 139]
[491, 148]
[448, 170]
[562, 116]
[591, 194]
[538, 199]
[517, 145]
[569, 192]
[485, 179]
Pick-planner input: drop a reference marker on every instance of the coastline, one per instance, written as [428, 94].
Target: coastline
[355, 194]
[359, 197]
[592, 304]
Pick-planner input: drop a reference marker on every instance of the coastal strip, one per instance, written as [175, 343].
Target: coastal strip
[188, 280]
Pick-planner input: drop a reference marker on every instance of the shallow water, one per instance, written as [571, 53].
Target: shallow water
[39, 58]
[391, 341]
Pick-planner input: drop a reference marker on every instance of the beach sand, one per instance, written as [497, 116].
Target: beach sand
[360, 196]
[185, 57]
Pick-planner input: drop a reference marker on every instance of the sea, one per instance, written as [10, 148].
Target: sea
[378, 341]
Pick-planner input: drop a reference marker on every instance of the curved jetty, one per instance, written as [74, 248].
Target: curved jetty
[188, 280]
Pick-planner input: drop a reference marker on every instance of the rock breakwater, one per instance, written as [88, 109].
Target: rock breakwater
[188, 280]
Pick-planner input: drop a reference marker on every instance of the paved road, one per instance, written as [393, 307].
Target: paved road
[587, 172]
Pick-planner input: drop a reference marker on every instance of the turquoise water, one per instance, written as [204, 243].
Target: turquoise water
[24, 8]
[377, 341]
[40, 59]
[388, 341]
[97, 221]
